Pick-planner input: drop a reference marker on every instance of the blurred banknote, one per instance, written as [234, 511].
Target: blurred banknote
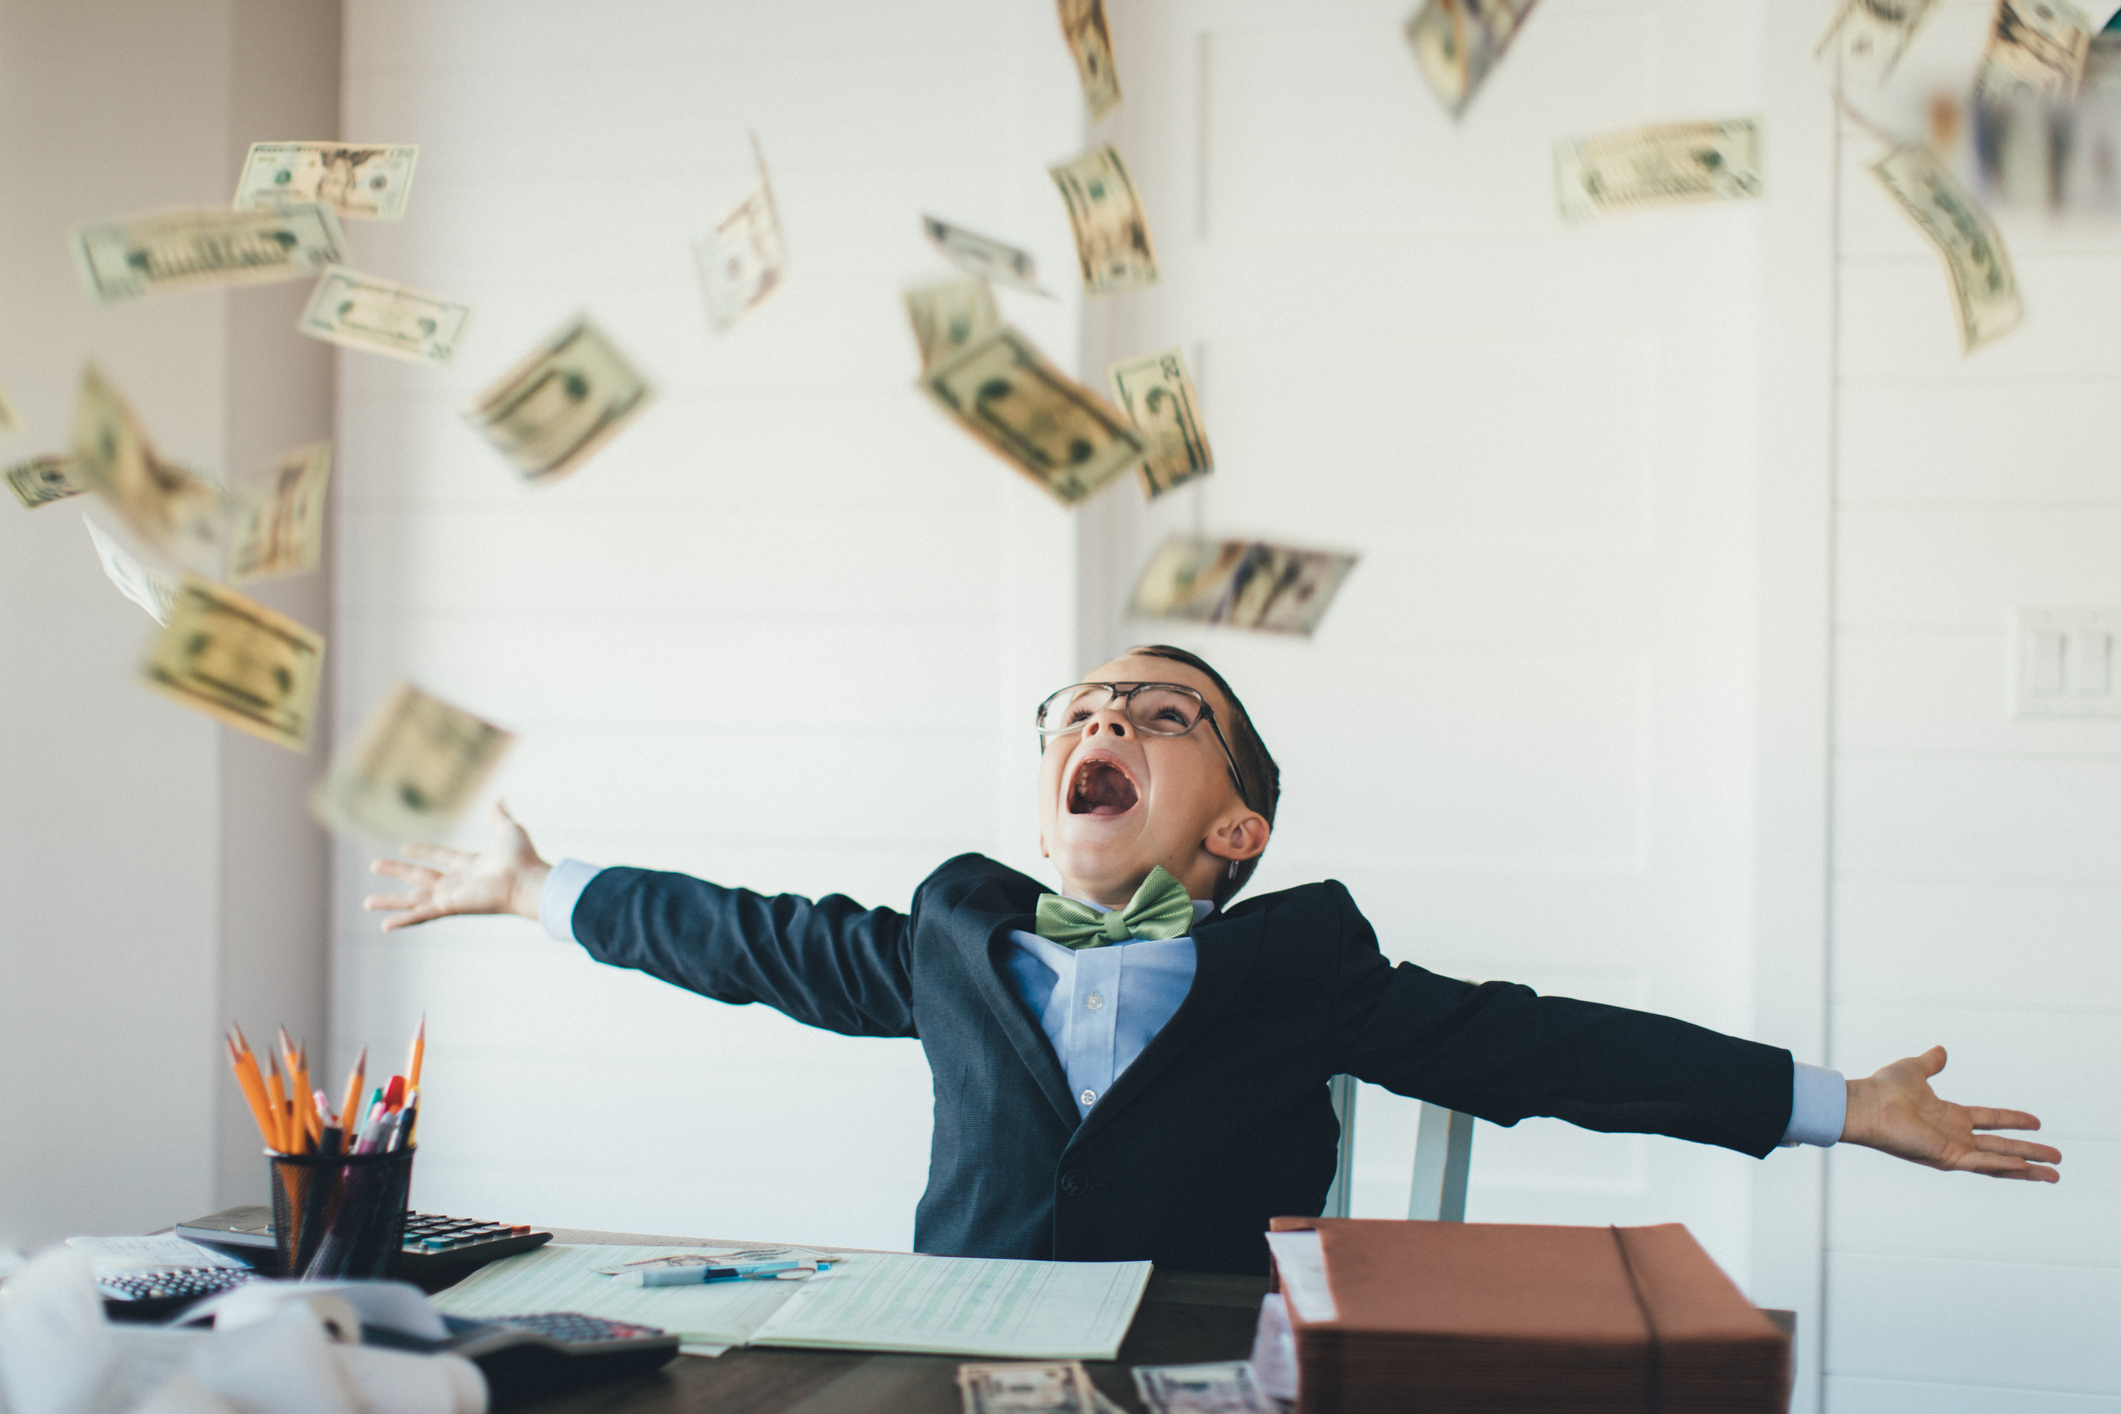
[1111, 233]
[1051, 428]
[1457, 43]
[371, 180]
[151, 591]
[1984, 291]
[279, 521]
[9, 422]
[743, 260]
[984, 256]
[1157, 397]
[2035, 51]
[1868, 37]
[364, 312]
[408, 775]
[194, 247]
[43, 480]
[176, 514]
[1048, 1387]
[1083, 24]
[549, 412]
[1244, 584]
[949, 316]
[1667, 165]
[1203, 1389]
[240, 663]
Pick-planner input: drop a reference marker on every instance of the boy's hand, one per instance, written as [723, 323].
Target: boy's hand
[1896, 1111]
[503, 879]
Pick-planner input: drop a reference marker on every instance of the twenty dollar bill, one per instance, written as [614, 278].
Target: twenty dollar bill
[2036, 51]
[949, 316]
[240, 663]
[1867, 38]
[363, 312]
[1111, 233]
[408, 775]
[1064, 437]
[1666, 165]
[1157, 397]
[43, 480]
[371, 180]
[176, 514]
[1457, 43]
[983, 256]
[1049, 1387]
[279, 524]
[1244, 584]
[1984, 291]
[562, 402]
[1090, 41]
[743, 259]
[187, 249]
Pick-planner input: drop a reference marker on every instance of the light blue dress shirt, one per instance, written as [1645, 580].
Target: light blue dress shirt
[1101, 1006]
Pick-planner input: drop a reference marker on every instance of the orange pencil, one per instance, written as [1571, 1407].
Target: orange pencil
[349, 1113]
[253, 1092]
[253, 1084]
[278, 1094]
[416, 1055]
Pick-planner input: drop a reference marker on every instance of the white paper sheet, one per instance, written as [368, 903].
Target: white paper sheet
[1300, 1259]
[1009, 1310]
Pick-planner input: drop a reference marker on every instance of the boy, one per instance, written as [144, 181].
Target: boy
[1125, 1070]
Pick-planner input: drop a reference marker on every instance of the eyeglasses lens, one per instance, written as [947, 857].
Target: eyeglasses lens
[1155, 709]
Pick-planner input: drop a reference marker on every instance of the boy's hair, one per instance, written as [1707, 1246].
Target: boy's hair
[1262, 778]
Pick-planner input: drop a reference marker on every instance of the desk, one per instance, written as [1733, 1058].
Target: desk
[1184, 1319]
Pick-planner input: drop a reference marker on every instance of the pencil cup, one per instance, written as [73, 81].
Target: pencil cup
[339, 1215]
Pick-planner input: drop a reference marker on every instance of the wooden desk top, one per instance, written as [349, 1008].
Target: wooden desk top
[1184, 1319]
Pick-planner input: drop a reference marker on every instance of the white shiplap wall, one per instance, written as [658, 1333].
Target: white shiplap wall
[785, 631]
[1977, 880]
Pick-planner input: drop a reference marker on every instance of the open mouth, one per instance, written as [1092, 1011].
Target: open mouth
[1101, 786]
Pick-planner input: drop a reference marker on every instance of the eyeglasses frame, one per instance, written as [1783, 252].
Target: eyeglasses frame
[1125, 701]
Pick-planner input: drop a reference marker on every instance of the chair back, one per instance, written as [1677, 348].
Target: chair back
[1443, 1158]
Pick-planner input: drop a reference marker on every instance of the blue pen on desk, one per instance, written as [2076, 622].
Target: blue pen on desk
[690, 1275]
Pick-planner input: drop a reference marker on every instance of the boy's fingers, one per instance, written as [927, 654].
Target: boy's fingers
[1982, 1118]
[379, 903]
[399, 869]
[406, 920]
[2017, 1148]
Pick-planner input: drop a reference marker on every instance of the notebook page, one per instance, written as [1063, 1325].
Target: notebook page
[564, 1277]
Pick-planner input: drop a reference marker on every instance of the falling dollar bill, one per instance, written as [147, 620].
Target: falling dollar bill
[1111, 233]
[744, 258]
[1157, 397]
[1048, 1387]
[1457, 43]
[1083, 26]
[1867, 38]
[949, 316]
[186, 249]
[984, 256]
[1057, 432]
[240, 663]
[409, 773]
[364, 312]
[549, 412]
[152, 591]
[1203, 1389]
[175, 513]
[361, 180]
[279, 523]
[1984, 291]
[1667, 165]
[2036, 50]
[1240, 583]
[43, 480]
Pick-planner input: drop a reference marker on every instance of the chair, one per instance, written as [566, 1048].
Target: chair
[1443, 1154]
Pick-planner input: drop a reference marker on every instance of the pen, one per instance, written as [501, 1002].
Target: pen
[690, 1276]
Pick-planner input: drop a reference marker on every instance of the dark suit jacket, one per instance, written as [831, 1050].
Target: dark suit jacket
[1223, 1121]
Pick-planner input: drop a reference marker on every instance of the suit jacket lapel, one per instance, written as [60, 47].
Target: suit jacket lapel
[982, 925]
[1223, 953]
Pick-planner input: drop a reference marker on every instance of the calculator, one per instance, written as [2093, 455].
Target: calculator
[527, 1358]
[435, 1252]
[153, 1296]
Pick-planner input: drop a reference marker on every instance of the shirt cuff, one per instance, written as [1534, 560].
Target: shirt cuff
[1819, 1106]
[563, 890]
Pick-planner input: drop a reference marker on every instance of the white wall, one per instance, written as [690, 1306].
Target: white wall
[156, 875]
[785, 632]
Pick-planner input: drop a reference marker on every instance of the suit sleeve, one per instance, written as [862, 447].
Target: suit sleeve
[828, 962]
[1503, 1052]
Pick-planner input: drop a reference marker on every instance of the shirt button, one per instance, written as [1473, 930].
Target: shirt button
[1089, 1097]
[1093, 1001]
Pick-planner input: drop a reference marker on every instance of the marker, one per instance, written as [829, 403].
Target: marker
[689, 1276]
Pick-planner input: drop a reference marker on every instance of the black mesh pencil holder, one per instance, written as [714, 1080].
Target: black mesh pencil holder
[340, 1215]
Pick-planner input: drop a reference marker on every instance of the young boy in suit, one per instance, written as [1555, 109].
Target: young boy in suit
[1130, 1069]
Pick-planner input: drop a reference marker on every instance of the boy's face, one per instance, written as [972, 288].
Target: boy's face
[1114, 802]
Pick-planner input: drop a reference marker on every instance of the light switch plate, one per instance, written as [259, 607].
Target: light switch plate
[2063, 663]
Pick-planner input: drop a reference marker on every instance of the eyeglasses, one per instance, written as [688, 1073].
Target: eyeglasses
[1155, 708]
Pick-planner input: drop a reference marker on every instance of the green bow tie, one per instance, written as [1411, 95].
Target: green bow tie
[1160, 908]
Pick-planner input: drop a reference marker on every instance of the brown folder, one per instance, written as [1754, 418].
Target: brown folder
[1498, 1318]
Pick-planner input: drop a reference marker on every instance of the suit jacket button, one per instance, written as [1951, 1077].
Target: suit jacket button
[1075, 1183]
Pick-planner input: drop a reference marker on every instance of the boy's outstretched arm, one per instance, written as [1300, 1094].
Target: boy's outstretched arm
[504, 878]
[1896, 1112]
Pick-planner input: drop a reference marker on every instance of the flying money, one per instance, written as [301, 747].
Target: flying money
[949, 316]
[549, 412]
[1867, 38]
[1053, 1387]
[9, 422]
[1083, 26]
[2035, 51]
[1203, 1389]
[43, 480]
[984, 256]
[1060, 434]
[179, 515]
[359, 180]
[364, 312]
[743, 260]
[1157, 397]
[1242, 584]
[151, 591]
[240, 663]
[195, 247]
[1984, 291]
[1667, 165]
[1458, 42]
[279, 523]
[1111, 233]
[415, 765]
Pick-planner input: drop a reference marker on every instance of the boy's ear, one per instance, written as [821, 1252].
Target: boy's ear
[1239, 835]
